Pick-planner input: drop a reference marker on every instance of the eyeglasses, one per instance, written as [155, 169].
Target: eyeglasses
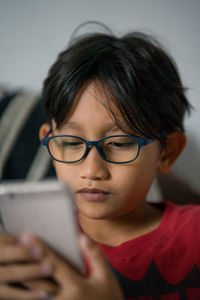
[116, 149]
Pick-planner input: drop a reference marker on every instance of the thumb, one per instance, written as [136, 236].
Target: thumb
[98, 266]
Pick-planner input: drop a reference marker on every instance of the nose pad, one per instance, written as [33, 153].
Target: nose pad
[102, 152]
[99, 149]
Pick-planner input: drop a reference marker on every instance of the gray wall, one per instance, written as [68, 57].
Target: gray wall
[32, 32]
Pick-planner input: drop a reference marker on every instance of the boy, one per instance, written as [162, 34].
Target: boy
[104, 86]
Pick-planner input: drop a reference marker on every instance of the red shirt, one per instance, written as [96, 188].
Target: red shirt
[162, 264]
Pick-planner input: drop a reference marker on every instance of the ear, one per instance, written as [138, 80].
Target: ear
[175, 144]
[43, 130]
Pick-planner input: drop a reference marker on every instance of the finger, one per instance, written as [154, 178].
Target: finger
[7, 239]
[101, 275]
[97, 263]
[19, 273]
[10, 293]
[12, 253]
[43, 284]
[63, 270]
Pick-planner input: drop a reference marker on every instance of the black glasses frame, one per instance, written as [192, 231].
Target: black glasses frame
[141, 142]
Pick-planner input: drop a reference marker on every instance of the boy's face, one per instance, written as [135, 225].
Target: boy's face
[121, 187]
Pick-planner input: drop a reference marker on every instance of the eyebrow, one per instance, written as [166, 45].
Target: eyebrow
[74, 125]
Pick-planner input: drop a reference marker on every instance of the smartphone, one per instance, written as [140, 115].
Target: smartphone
[46, 209]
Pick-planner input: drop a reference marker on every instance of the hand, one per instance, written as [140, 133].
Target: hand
[100, 284]
[20, 264]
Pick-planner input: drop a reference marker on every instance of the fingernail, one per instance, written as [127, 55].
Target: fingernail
[42, 295]
[26, 239]
[87, 241]
[36, 252]
[46, 269]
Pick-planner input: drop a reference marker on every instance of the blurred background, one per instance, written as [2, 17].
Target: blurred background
[32, 33]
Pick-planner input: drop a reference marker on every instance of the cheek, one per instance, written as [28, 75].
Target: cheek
[137, 178]
[64, 172]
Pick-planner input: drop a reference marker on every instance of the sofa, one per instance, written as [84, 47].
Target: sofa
[21, 154]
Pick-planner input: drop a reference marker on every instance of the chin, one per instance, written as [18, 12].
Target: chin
[95, 214]
[99, 214]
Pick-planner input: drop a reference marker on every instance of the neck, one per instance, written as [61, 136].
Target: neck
[116, 230]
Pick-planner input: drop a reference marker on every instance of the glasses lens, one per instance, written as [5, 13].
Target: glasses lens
[67, 149]
[119, 149]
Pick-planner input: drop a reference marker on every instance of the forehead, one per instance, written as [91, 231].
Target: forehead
[91, 104]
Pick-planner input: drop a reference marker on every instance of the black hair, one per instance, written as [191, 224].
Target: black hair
[133, 71]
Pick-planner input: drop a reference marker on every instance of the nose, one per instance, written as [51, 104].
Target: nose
[93, 167]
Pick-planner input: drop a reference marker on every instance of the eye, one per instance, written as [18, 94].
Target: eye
[120, 143]
[68, 142]
[71, 144]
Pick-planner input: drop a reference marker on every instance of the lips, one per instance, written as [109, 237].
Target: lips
[94, 194]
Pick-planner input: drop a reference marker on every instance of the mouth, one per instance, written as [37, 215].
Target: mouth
[94, 194]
